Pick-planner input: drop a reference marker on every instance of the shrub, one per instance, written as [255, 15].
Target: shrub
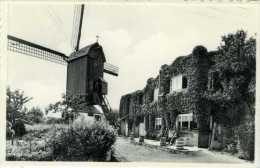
[8, 133]
[82, 144]
[19, 129]
[246, 133]
[9, 130]
[36, 156]
[55, 121]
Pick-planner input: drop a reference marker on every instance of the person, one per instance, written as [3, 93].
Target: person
[173, 138]
[11, 130]
[170, 134]
[173, 135]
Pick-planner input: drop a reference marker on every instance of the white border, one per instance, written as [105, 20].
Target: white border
[3, 56]
[3, 66]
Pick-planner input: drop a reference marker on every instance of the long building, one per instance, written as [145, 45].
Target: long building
[175, 100]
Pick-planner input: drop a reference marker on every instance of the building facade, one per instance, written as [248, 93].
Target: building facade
[177, 101]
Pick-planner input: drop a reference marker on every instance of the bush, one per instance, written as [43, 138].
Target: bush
[9, 130]
[31, 157]
[82, 144]
[8, 133]
[247, 140]
[54, 121]
[19, 129]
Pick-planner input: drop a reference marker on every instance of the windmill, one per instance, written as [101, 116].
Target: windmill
[85, 66]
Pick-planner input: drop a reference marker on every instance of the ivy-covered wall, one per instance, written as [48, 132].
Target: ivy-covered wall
[194, 68]
[220, 93]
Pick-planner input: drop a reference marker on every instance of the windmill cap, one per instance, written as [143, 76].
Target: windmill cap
[85, 51]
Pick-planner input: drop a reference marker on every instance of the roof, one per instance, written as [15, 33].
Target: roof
[134, 93]
[95, 109]
[85, 52]
[181, 60]
[98, 109]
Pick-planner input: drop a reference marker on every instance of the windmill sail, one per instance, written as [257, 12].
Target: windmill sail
[111, 69]
[25, 47]
[28, 48]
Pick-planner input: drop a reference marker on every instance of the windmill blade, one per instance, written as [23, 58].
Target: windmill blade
[77, 26]
[28, 48]
[111, 69]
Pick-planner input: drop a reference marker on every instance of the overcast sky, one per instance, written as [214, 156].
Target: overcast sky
[136, 38]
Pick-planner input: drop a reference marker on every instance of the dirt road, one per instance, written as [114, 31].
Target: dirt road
[127, 151]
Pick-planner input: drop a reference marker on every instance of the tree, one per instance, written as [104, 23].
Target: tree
[235, 101]
[235, 66]
[35, 115]
[69, 106]
[113, 117]
[15, 102]
[16, 112]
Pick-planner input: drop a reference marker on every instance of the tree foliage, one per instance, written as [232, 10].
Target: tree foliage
[235, 66]
[69, 106]
[113, 117]
[16, 112]
[35, 115]
[15, 108]
[234, 98]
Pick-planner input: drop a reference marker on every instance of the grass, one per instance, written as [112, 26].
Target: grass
[34, 144]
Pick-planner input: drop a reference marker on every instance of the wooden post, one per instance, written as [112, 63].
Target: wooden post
[144, 123]
[150, 122]
[12, 136]
[45, 142]
[30, 143]
[177, 123]
[12, 140]
[181, 122]
[212, 135]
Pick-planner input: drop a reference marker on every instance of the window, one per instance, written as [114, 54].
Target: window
[158, 123]
[97, 117]
[184, 82]
[156, 94]
[90, 113]
[185, 121]
[185, 125]
[193, 125]
[176, 83]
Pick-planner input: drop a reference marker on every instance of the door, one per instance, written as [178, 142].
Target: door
[126, 128]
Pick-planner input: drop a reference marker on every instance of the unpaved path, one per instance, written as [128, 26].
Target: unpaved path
[127, 151]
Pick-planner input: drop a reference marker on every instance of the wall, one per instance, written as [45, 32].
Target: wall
[194, 67]
[77, 84]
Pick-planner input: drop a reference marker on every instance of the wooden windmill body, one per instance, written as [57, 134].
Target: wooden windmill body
[85, 74]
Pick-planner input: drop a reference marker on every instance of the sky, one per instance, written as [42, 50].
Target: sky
[138, 38]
